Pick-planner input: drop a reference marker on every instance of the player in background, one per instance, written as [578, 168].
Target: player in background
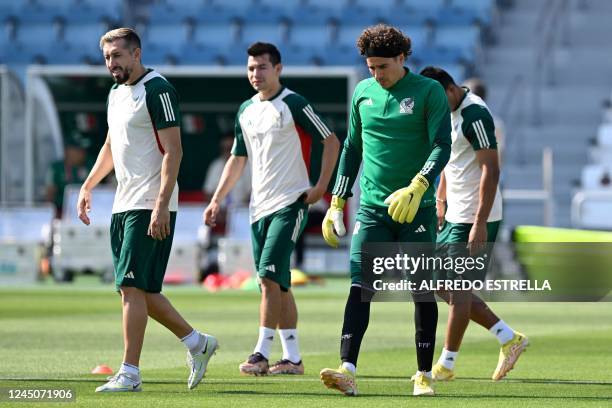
[143, 146]
[400, 129]
[267, 135]
[469, 208]
[477, 87]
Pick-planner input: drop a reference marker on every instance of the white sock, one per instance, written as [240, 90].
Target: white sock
[448, 358]
[427, 374]
[349, 366]
[266, 336]
[289, 341]
[502, 331]
[195, 341]
[130, 369]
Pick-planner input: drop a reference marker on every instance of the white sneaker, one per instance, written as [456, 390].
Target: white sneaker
[198, 363]
[122, 382]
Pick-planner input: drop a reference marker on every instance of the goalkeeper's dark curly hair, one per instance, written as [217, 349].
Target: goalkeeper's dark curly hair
[385, 39]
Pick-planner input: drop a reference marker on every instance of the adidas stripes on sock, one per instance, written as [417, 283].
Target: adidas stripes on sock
[448, 358]
[502, 331]
[266, 337]
[289, 341]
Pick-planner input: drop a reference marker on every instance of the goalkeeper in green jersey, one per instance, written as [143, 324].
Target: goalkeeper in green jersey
[400, 130]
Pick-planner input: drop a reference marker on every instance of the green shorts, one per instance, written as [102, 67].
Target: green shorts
[139, 260]
[374, 224]
[274, 238]
[452, 242]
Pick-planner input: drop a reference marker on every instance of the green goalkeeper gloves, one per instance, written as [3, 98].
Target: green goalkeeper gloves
[334, 220]
[404, 203]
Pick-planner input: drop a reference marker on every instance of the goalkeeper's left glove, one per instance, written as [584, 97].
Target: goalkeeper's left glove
[404, 203]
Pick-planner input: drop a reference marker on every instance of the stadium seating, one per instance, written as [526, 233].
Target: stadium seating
[319, 32]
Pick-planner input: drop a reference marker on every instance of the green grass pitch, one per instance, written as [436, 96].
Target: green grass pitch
[53, 336]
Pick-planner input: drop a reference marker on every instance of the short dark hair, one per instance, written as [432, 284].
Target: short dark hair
[383, 40]
[439, 75]
[132, 40]
[261, 48]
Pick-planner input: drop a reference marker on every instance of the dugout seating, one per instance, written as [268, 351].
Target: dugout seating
[78, 248]
[24, 232]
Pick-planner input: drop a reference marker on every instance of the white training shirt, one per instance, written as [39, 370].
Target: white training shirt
[135, 113]
[472, 129]
[268, 132]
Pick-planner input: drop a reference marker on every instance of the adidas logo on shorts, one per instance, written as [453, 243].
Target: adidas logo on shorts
[421, 229]
[129, 275]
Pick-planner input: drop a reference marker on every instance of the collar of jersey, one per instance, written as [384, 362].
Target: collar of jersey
[147, 71]
[465, 94]
[282, 88]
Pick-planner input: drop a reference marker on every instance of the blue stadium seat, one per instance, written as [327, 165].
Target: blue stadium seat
[284, 5]
[234, 56]
[171, 35]
[185, 4]
[347, 35]
[408, 16]
[191, 54]
[297, 56]
[84, 35]
[308, 15]
[417, 35]
[240, 5]
[161, 13]
[37, 34]
[30, 13]
[217, 15]
[176, 12]
[272, 33]
[364, 16]
[479, 6]
[335, 7]
[21, 54]
[438, 55]
[341, 56]
[310, 35]
[383, 4]
[426, 5]
[456, 16]
[8, 8]
[263, 15]
[464, 38]
[216, 35]
[154, 54]
[109, 8]
[66, 55]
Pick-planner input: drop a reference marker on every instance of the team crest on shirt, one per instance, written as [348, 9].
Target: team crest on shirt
[407, 106]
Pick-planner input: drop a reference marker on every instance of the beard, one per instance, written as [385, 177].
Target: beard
[121, 76]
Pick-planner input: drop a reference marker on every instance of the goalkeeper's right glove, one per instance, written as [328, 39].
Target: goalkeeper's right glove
[334, 220]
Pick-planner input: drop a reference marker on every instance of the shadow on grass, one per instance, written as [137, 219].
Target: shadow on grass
[507, 380]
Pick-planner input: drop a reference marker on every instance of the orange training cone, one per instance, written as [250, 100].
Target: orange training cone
[102, 369]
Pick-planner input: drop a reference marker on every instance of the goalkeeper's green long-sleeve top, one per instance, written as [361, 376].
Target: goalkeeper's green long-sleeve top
[397, 132]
